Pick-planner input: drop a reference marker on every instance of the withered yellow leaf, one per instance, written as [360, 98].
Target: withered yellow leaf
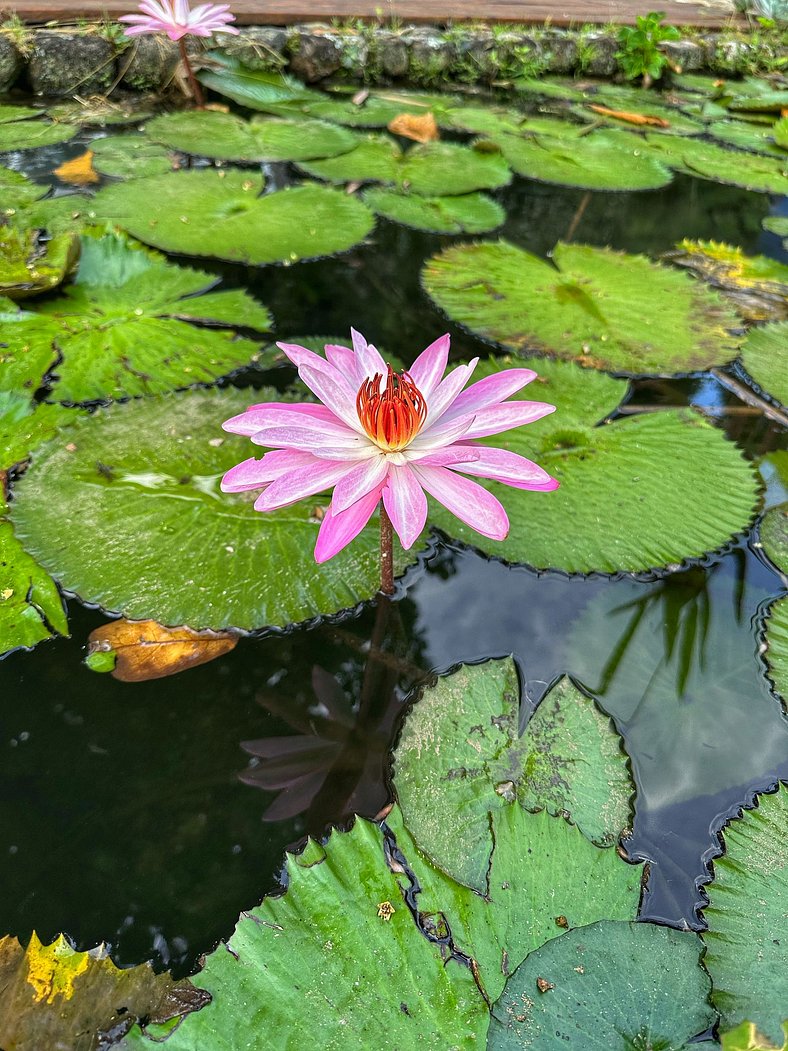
[79, 171]
[631, 118]
[420, 128]
[147, 650]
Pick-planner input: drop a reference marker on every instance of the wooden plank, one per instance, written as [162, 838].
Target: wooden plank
[711, 13]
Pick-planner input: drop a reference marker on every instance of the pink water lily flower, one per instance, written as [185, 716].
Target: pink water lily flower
[177, 19]
[382, 435]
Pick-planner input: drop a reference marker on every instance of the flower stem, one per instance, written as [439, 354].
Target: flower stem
[194, 84]
[386, 553]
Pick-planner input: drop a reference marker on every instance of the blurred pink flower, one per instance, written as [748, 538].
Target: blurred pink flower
[379, 434]
[177, 20]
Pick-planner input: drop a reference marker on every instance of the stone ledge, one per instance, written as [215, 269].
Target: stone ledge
[64, 61]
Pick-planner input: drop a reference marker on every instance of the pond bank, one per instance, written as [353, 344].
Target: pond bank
[91, 59]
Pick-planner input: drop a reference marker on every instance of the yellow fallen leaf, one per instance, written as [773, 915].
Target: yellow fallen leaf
[631, 118]
[420, 128]
[79, 171]
[147, 650]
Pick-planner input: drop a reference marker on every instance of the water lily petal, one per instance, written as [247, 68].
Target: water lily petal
[501, 465]
[300, 483]
[254, 473]
[491, 390]
[277, 414]
[369, 361]
[310, 440]
[504, 417]
[338, 528]
[439, 435]
[468, 500]
[428, 368]
[361, 479]
[406, 504]
[448, 389]
[335, 393]
[450, 456]
[344, 359]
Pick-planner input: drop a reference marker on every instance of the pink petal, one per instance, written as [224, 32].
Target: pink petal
[368, 357]
[334, 391]
[491, 390]
[450, 456]
[361, 479]
[448, 389]
[467, 500]
[344, 359]
[253, 473]
[504, 417]
[301, 355]
[338, 528]
[406, 504]
[277, 414]
[299, 484]
[510, 468]
[311, 440]
[438, 436]
[428, 368]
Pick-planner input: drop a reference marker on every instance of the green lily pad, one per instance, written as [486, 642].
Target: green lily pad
[389, 986]
[620, 100]
[227, 137]
[776, 224]
[69, 212]
[777, 626]
[733, 167]
[608, 309]
[29, 266]
[27, 350]
[97, 112]
[216, 562]
[31, 608]
[780, 132]
[472, 213]
[745, 1037]
[9, 113]
[460, 753]
[767, 102]
[764, 357]
[622, 503]
[432, 169]
[774, 535]
[16, 190]
[30, 134]
[610, 160]
[221, 213]
[24, 426]
[484, 120]
[746, 952]
[123, 326]
[377, 110]
[256, 89]
[130, 156]
[610, 985]
[549, 88]
[745, 136]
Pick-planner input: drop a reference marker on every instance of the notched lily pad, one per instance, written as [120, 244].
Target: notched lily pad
[16, 190]
[472, 213]
[30, 266]
[31, 610]
[751, 171]
[765, 357]
[131, 156]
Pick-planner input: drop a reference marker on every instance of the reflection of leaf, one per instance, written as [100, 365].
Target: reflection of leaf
[420, 128]
[53, 997]
[146, 650]
[79, 171]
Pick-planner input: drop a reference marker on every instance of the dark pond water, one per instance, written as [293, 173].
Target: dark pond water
[123, 817]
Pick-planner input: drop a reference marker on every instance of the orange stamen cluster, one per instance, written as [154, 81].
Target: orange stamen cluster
[392, 417]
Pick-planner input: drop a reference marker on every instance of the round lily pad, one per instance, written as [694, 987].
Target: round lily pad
[596, 306]
[31, 608]
[751, 171]
[777, 641]
[27, 349]
[221, 213]
[764, 357]
[780, 132]
[257, 89]
[472, 213]
[622, 505]
[379, 108]
[432, 169]
[130, 156]
[774, 535]
[745, 136]
[17, 190]
[9, 113]
[776, 224]
[227, 137]
[30, 134]
[100, 112]
[610, 160]
[30, 266]
[611, 985]
[767, 101]
[209, 560]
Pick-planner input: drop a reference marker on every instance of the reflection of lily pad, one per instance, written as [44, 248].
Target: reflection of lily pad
[746, 951]
[221, 213]
[31, 608]
[130, 156]
[610, 985]
[30, 266]
[215, 562]
[610, 160]
[432, 169]
[460, 753]
[765, 358]
[472, 213]
[608, 309]
[123, 326]
[623, 502]
[227, 137]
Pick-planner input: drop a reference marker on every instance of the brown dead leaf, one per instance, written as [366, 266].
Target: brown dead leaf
[419, 127]
[147, 650]
[631, 118]
[79, 171]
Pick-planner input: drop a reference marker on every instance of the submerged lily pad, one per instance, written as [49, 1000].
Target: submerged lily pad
[611, 985]
[130, 156]
[460, 753]
[221, 213]
[623, 502]
[746, 953]
[472, 213]
[123, 326]
[31, 608]
[227, 137]
[608, 309]
[216, 562]
[764, 357]
[434, 168]
[29, 266]
[609, 160]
